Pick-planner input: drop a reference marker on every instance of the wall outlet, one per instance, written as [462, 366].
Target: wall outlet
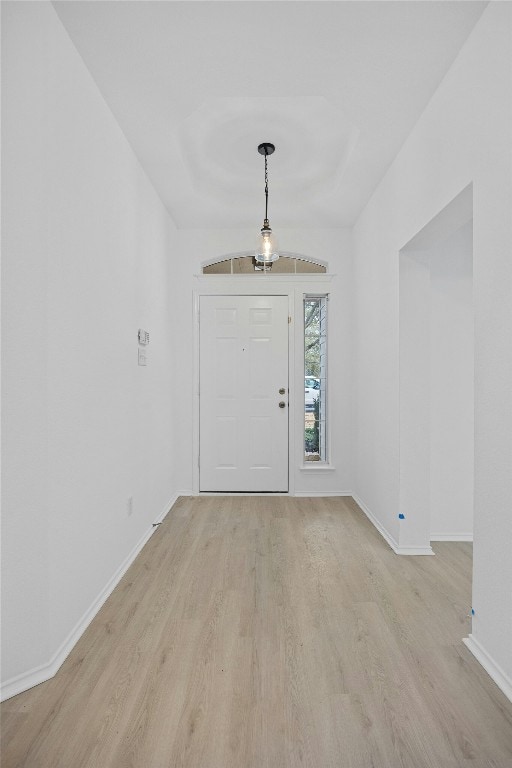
[129, 505]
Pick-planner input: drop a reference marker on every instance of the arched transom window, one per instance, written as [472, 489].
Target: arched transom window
[244, 264]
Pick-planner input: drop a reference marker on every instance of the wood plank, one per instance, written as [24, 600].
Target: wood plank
[267, 632]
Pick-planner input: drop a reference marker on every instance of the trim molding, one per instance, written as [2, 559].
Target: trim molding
[290, 277]
[44, 672]
[240, 494]
[397, 549]
[312, 466]
[297, 494]
[408, 550]
[319, 494]
[451, 537]
[493, 669]
[371, 517]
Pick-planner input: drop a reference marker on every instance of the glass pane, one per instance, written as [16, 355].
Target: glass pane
[284, 265]
[309, 266]
[220, 268]
[243, 265]
[315, 368]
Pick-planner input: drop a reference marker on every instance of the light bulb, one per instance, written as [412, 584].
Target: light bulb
[266, 249]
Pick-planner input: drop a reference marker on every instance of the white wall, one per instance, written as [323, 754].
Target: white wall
[462, 137]
[333, 246]
[451, 387]
[436, 388]
[86, 262]
[414, 405]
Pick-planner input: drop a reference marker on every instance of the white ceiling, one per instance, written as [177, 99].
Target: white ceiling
[336, 86]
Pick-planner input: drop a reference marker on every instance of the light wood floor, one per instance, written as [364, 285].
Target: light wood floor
[266, 633]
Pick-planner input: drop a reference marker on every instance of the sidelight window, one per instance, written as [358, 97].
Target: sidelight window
[315, 378]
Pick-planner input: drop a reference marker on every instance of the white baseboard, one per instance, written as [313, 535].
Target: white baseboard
[184, 493]
[399, 550]
[319, 494]
[46, 671]
[493, 669]
[406, 550]
[239, 494]
[26, 680]
[451, 537]
[371, 517]
[297, 494]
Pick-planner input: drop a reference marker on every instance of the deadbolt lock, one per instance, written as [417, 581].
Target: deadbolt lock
[282, 404]
[282, 391]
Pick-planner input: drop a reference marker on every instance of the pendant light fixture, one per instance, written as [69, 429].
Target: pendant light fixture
[266, 249]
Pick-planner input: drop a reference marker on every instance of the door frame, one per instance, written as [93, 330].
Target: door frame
[222, 288]
[294, 286]
[285, 337]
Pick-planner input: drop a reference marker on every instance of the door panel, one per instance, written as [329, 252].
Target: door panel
[243, 434]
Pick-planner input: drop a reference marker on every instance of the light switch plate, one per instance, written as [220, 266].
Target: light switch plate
[143, 357]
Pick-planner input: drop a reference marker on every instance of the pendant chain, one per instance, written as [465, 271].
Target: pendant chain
[266, 188]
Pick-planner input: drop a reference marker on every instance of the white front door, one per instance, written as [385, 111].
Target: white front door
[243, 430]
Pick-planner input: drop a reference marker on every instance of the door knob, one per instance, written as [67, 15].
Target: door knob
[282, 391]
[282, 404]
